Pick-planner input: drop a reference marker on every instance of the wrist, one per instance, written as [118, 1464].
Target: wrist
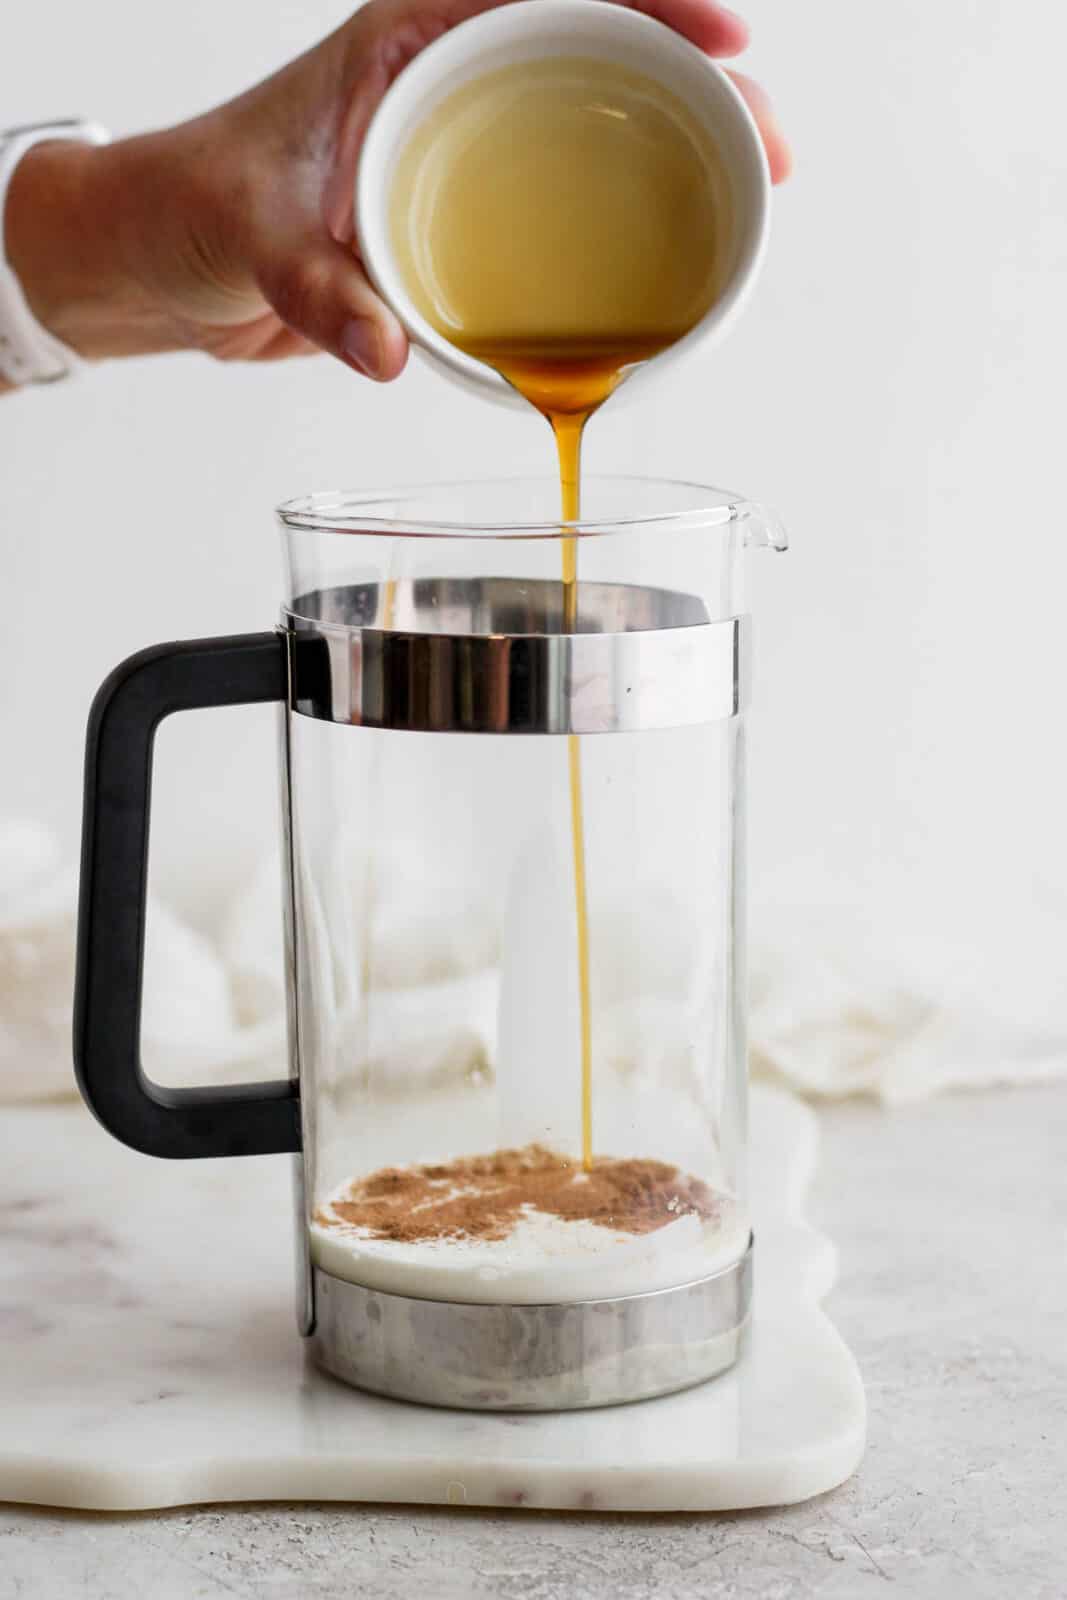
[67, 238]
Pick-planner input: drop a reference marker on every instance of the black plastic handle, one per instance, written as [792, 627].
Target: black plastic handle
[241, 1120]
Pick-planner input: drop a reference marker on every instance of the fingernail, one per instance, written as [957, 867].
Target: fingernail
[733, 16]
[361, 344]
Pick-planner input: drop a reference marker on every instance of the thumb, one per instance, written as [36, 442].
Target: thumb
[321, 291]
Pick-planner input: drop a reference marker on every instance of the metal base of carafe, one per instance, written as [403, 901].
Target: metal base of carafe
[531, 1357]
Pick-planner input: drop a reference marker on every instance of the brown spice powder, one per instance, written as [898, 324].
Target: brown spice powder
[483, 1197]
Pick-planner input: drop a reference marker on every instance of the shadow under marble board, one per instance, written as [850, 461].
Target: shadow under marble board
[151, 1357]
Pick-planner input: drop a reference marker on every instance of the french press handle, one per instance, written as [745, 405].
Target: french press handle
[239, 1120]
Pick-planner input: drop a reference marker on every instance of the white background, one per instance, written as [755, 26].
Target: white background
[895, 390]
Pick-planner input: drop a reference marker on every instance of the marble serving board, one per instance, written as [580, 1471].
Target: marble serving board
[150, 1356]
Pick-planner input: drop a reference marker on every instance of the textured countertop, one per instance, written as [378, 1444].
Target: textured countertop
[951, 1219]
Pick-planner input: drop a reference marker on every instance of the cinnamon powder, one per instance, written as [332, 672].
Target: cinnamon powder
[483, 1197]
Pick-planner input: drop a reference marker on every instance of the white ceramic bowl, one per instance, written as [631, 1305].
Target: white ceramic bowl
[530, 30]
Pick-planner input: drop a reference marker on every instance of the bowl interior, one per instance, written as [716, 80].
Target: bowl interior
[531, 30]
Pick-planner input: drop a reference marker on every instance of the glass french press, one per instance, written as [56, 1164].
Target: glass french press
[454, 1246]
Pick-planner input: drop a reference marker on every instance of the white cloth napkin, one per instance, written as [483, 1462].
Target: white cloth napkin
[190, 1027]
[837, 1009]
[901, 1012]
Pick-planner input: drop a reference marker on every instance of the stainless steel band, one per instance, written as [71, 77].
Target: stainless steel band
[532, 1357]
[458, 655]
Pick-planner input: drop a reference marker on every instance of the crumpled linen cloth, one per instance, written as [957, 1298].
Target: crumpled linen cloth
[900, 1012]
[836, 1010]
[191, 1030]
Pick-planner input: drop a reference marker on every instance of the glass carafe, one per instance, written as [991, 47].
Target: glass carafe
[455, 1247]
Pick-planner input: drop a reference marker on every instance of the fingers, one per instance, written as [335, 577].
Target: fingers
[262, 339]
[712, 28]
[720, 32]
[716, 29]
[779, 155]
[322, 294]
[284, 344]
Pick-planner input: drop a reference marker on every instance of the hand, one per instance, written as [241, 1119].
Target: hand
[234, 233]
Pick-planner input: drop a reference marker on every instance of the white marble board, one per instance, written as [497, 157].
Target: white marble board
[150, 1356]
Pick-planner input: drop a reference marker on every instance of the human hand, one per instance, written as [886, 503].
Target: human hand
[234, 233]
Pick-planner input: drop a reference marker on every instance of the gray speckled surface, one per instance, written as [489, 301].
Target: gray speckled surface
[952, 1224]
